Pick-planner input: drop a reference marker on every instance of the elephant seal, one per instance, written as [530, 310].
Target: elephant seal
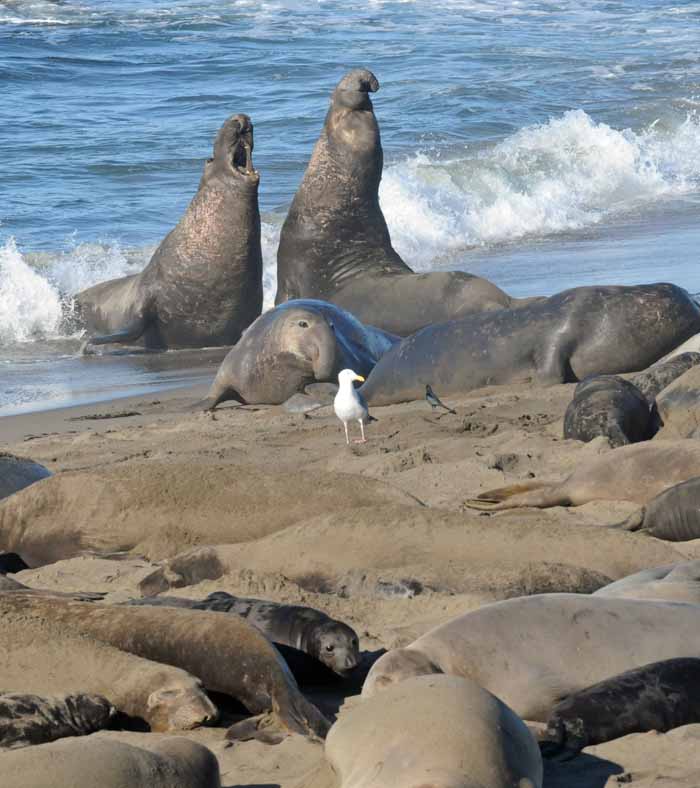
[11, 563]
[295, 344]
[31, 719]
[203, 285]
[568, 337]
[656, 697]
[672, 582]
[678, 406]
[631, 473]
[331, 642]
[533, 651]
[335, 244]
[436, 731]
[16, 473]
[42, 657]
[610, 406]
[653, 380]
[673, 515]
[98, 762]
[225, 652]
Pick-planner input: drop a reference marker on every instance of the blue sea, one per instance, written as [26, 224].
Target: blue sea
[542, 144]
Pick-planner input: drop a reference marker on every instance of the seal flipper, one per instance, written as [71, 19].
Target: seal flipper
[131, 333]
[635, 522]
[514, 496]
[224, 395]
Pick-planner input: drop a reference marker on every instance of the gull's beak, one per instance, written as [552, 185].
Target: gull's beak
[360, 378]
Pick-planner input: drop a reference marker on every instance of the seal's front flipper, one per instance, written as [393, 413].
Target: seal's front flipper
[510, 497]
[265, 728]
[633, 523]
[131, 333]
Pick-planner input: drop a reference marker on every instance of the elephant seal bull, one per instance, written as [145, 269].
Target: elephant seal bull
[430, 731]
[532, 651]
[673, 515]
[568, 337]
[296, 343]
[631, 473]
[335, 243]
[608, 405]
[32, 719]
[106, 763]
[331, 642]
[203, 285]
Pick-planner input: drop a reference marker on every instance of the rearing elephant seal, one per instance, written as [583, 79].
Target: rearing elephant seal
[335, 244]
[203, 285]
[570, 336]
[292, 345]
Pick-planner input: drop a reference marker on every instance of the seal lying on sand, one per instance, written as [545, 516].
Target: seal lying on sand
[673, 515]
[295, 344]
[335, 244]
[653, 380]
[673, 582]
[631, 473]
[41, 657]
[437, 731]
[225, 652]
[203, 285]
[533, 651]
[656, 697]
[579, 332]
[105, 763]
[331, 642]
[16, 473]
[608, 405]
[678, 407]
[31, 719]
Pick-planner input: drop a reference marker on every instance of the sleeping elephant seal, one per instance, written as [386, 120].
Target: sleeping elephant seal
[16, 473]
[295, 344]
[335, 244]
[433, 732]
[607, 405]
[225, 652]
[31, 719]
[656, 697]
[678, 406]
[671, 582]
[331, 642]
[532, 651]
[99, 762]
[653, 380]
[203, 285]
[579, 332]
[631, 473]
[673, 515]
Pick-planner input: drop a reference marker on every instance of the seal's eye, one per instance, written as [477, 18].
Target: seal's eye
[330, 648]
[303, 324]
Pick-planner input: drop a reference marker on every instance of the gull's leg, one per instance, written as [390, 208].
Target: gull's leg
[362, 430]
[347, 437]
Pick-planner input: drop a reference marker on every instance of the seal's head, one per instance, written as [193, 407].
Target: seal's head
[310, 337]
[396, 665]
[336, 645]
[354, 88]
[233, 151]
[180, 708]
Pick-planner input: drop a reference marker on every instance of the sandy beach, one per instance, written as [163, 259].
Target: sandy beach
[376, 535]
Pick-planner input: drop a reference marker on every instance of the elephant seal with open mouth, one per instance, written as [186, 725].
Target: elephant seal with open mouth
[203, 285]
[335, 243]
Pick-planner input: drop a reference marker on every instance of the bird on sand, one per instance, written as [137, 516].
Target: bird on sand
[434, 401]
[349, 404]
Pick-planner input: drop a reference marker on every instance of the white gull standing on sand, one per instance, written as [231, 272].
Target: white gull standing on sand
[349, 404]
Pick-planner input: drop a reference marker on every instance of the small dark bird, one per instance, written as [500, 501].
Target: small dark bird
[434, 401]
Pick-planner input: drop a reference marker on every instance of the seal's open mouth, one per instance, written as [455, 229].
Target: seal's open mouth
[242, 153]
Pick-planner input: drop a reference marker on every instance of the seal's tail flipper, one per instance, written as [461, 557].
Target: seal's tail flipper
[633, 523]
[536, 494]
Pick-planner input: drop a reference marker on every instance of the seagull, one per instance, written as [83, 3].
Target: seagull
[349, 404]
[434, 401]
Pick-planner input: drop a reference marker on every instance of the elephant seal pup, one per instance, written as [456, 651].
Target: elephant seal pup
[568, 337]
[331, 642]
[678, 407]
[437, 731]
[225, 652]
[607, 405]
[39, 657]
[631, 473]
[99, 762]
[16, 473]
[656, 697]
[203, 285]
[653, 380]
[673, 515]
[571, 642]
[335, 244]
[297, 343]
[31, 719]
[671, 582]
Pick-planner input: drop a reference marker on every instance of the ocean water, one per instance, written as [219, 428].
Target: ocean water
[542, 144]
